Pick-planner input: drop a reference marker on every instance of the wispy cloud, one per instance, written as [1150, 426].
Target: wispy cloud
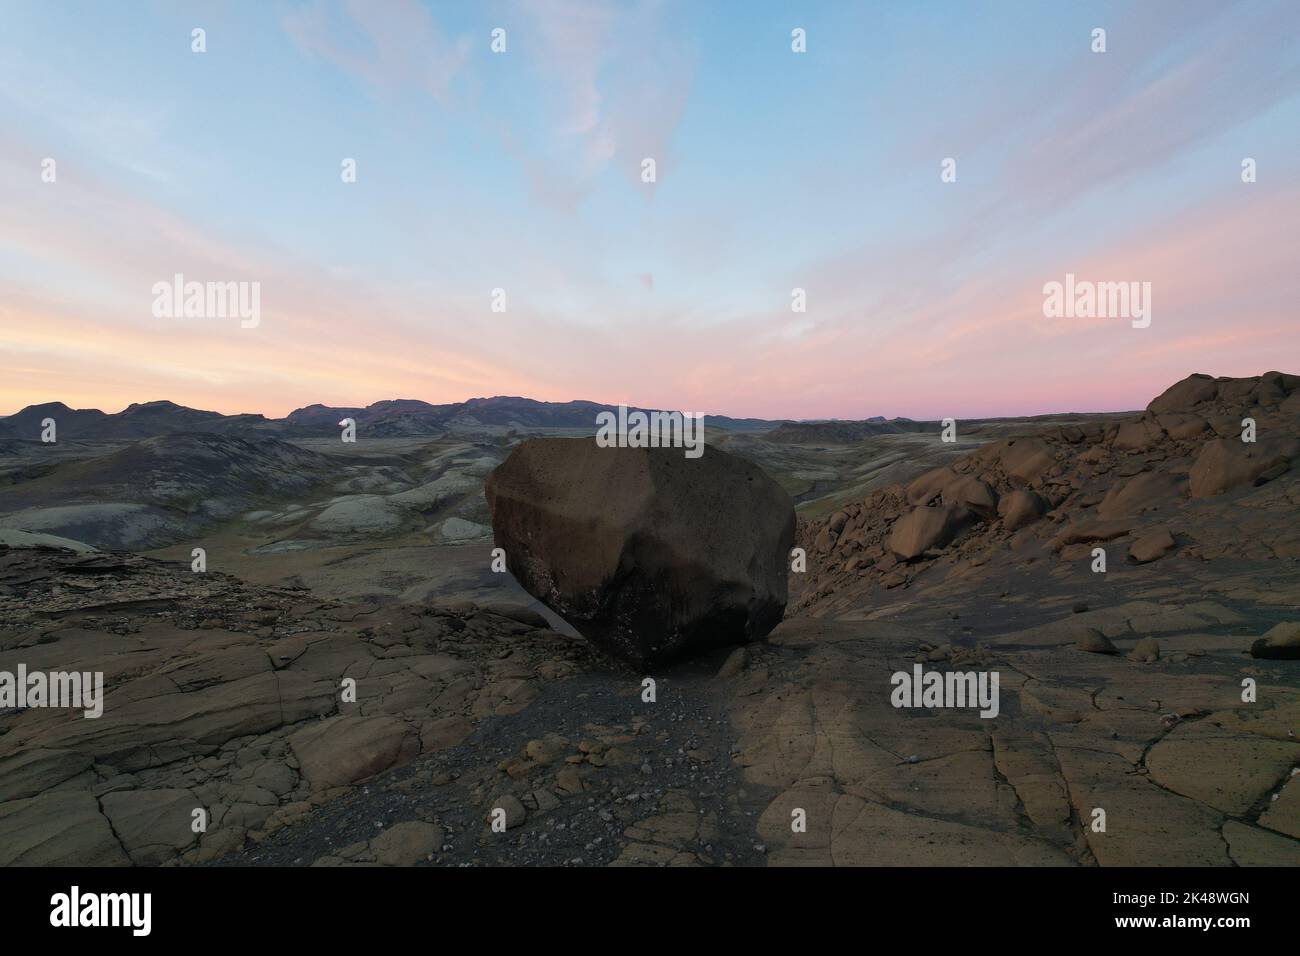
[395, 46]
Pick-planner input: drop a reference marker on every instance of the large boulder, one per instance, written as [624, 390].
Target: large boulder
[965, 491]
[1020, 508]
[924, 528]
[651, 555]
[1138, 436]
[1185, 395]
[930, 485]
[1025, 460]
[1225, 464]
[974, 495]
[1148, 491]
[1182, 427]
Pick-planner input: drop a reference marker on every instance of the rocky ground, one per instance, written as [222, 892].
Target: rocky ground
[254, 705]
[228, 698]
[1186, 773]
[230, 691]
[1122, 688]
[614, 780]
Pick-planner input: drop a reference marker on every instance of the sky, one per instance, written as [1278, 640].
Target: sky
[522, 171]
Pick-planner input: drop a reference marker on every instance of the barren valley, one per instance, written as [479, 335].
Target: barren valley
[1122, 690]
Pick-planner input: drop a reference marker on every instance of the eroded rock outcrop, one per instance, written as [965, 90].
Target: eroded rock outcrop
[1207, 470]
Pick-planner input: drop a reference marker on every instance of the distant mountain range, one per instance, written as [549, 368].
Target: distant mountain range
[840, 432]
[387, 419]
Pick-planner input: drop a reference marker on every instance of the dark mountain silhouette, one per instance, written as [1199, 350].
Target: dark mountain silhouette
[385, 419]
[71, 422]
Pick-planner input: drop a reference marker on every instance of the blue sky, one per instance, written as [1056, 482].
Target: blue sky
[520, 171]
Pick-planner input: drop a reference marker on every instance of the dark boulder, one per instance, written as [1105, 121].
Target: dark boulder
[649, 554]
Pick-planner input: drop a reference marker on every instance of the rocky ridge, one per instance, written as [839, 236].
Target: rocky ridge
[1177, 480]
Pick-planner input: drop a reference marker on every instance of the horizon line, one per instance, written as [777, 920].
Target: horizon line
[806, 420]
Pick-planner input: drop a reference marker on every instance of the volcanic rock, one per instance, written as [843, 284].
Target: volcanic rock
[1095, 642]
[735, 663]
[406, 844]
[1183, 395]
[1225, 463]
[973, 494]
[925, 528]
[1026, 459]
[928, 486]
[1148, 491]
[1279, 643]
[513, 811]
[1138, 436]
[343, 750]
[1020, 508]
[1151, 546]
[649, 554]
[1085, 532]
[1181, 427]
[1145, 651]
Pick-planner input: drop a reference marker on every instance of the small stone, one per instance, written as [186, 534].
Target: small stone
[405, 844]
[514, 811]
[1095, 642]
[736, 662]
[1145, 651]
[1149, 547]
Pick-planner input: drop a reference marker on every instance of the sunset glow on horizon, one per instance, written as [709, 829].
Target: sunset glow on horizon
[522, 171]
